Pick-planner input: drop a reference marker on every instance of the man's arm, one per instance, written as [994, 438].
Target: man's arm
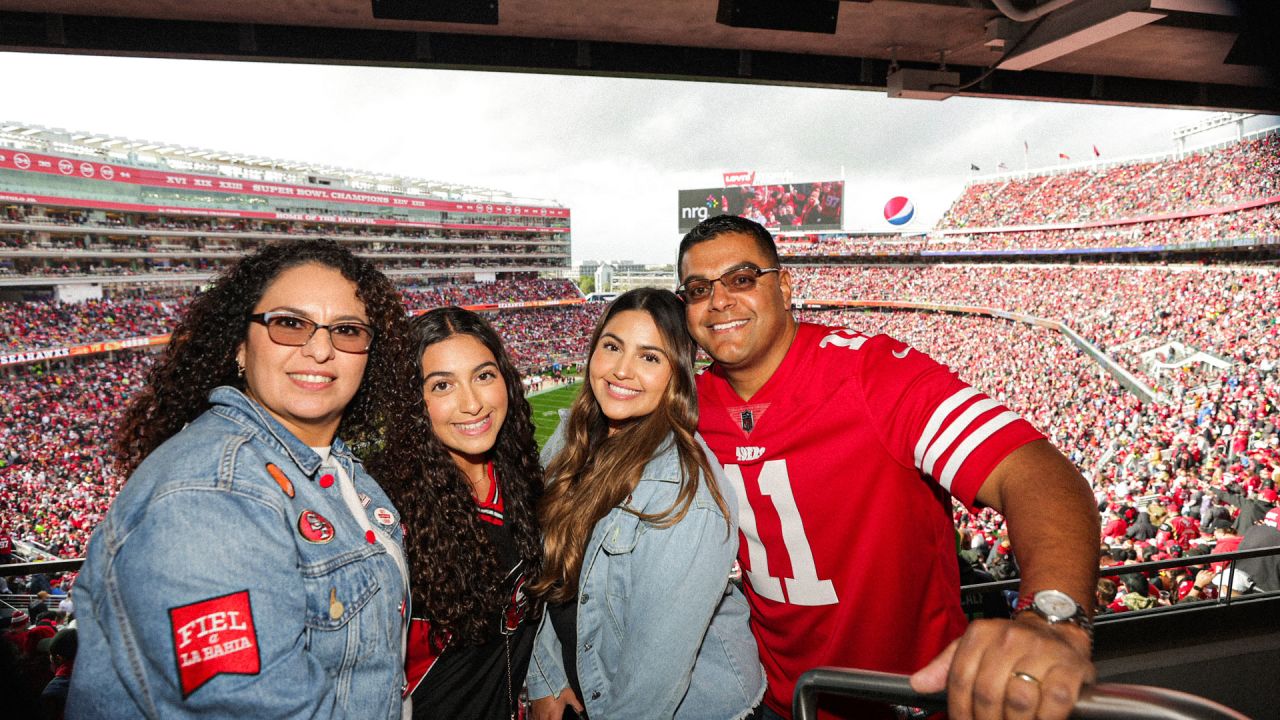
[1054, 528]
[1052, 520]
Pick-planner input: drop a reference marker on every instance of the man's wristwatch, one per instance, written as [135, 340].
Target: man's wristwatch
[1056, 607]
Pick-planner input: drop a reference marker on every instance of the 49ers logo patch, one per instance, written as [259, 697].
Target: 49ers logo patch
[214, 637]
[314, 528]
[517, 608]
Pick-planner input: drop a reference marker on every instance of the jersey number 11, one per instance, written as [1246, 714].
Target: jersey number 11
[806, 588]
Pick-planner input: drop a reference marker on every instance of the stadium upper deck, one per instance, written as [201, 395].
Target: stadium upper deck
[1220, 198]
[77, 208]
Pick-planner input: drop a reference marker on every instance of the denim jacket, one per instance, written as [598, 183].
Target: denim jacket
[662, 633]
[237, 575]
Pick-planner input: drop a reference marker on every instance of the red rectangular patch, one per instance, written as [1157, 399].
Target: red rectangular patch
[214, 636]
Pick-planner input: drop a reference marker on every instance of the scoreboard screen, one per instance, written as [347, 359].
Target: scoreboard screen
[780, 207]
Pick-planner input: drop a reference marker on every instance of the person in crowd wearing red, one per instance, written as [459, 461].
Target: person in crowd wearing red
[61, 649]
[822, 428]
[6, 546]
[473, 540]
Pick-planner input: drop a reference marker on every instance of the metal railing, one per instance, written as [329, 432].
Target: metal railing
[1183, 562]
[1110, 700]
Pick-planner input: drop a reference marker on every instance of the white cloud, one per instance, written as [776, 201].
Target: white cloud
[614, 150]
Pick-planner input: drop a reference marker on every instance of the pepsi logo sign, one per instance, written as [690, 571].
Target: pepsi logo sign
[899, 210]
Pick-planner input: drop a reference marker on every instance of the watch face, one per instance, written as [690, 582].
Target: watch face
[1055, 604]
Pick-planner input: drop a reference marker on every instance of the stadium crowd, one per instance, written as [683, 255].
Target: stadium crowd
[505, 291]
[1177, 480]
[1235, 173]
[54, 481]
[39, 324]
[837, 244]
[1124, 310]
[55, 477]
[1261, 224]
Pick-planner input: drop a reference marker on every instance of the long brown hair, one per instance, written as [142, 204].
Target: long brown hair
[595, 472]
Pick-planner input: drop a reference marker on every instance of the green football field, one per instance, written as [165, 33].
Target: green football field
[545, 406]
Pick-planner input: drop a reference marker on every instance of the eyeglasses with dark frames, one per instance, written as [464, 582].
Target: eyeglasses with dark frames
[737, 280]
[285, 328]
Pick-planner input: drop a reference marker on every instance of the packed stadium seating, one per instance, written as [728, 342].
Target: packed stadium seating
[55, 481]
[33, 325]
[1173, 455]
[1224, 197]
[1204, 337]
[1225, 311]
[1236, 173]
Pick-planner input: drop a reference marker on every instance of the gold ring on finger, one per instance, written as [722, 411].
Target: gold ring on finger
[1025, 676]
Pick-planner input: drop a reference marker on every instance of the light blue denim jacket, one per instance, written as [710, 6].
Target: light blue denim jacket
[662, 633]
[203, 529]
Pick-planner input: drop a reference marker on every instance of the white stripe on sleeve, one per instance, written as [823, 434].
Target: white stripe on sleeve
[970, 443]
[957, 426]
[935, 420]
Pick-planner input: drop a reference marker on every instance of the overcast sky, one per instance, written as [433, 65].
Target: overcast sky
[615, 151]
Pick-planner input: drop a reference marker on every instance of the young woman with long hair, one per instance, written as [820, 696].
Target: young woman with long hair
[250, 566]
[472, 532]
[642, 621]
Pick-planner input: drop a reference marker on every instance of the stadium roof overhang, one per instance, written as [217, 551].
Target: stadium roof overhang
[1212, 54]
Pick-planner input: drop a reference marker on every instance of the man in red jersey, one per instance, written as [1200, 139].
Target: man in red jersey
[844, 450]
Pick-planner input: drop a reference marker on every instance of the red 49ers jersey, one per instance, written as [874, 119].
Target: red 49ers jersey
[843, 464]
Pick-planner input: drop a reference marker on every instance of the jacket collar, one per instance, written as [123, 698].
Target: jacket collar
[664, 466]
[236, 403]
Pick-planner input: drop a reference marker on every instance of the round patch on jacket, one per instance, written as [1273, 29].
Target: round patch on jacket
[314, 528]
[384, 516]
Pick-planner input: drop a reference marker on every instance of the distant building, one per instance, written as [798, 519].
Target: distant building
[619, 276]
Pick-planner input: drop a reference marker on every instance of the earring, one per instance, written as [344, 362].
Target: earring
[239, 371]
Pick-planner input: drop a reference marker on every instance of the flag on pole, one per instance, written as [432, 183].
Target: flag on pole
[1095, 151]
[974, 168]
[1002, 166]
[1064, 156]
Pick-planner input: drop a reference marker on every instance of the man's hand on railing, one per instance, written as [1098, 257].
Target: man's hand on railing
[1011, 669]
[1096, 702]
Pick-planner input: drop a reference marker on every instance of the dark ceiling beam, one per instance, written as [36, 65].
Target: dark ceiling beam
[91, 35]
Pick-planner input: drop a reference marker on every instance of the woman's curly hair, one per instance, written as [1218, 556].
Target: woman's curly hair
[202, 355]
[457, 581]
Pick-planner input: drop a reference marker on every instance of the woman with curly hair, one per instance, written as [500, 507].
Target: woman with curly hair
[250, 567]
[473, 538]
[642, 619]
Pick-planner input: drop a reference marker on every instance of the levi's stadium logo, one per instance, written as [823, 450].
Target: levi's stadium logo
[739, 178]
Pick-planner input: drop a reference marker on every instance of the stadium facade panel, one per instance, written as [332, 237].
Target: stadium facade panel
[112, 210]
